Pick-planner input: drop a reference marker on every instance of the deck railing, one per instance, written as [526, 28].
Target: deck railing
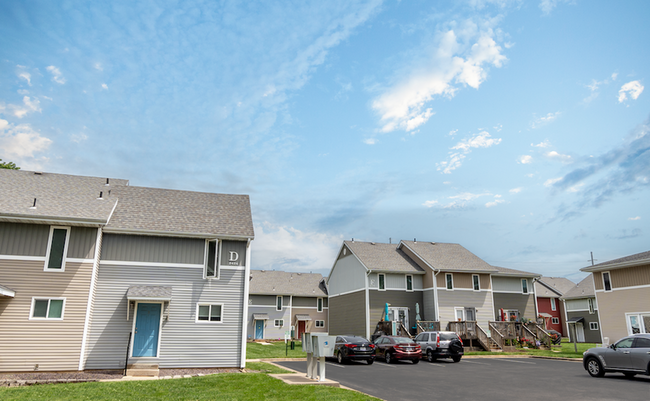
[427, 325]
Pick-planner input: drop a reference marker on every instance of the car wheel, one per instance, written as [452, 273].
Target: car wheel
[456, 358]
[339, 358]
[430, 356]
[370, 361]
[416, 361]
[388, 358]
[629, 375]
[595, 368]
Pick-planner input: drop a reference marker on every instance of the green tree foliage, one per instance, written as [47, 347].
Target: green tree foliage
[8, 165]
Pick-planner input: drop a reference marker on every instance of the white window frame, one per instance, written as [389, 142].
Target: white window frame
[49, 248]
[592, 307]
[320, 324]
[379, 281]
[279, 301]
[593, 325]
[217, 250]
[639, 316]
[48, 299]
[524, 286]
[553, 304]
[447, 281]
[275, 323]
[210, 304]
[319, 304]
[406, 282]
[477, 283]
[555, 320]
[508, 312]
[609, 275]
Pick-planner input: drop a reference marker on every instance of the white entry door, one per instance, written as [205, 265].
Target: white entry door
[399, 314]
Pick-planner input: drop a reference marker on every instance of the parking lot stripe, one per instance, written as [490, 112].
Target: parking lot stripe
[477, 363]
[515, 361]
[335, 364]
[436, 364]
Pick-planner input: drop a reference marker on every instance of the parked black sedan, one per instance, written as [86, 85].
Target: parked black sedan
[354, 348]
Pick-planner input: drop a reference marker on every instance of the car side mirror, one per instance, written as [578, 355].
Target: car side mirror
[612, 347]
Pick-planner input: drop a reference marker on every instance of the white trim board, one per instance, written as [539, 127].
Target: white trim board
[626, 288]
[149, 264]
[20, 257]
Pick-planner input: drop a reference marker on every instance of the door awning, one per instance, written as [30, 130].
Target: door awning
[6, 292]
[149, 293]
[260, 316]
[303, 317]
[576, 319]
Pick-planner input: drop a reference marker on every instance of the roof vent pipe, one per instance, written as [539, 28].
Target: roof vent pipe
[101, 195]
[34, 205]
[352, 239]
[108, 181]
[415, 240]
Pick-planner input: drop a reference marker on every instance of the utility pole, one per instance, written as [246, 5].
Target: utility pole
[592, 258]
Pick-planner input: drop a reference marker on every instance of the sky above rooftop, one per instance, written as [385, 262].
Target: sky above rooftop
[518, 129]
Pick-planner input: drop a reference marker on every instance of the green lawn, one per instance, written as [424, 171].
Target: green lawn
[225, 386]
[274, 350]
[565, 350]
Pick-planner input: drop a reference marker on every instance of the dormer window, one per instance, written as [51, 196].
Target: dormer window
[57, 248]
[211, 269]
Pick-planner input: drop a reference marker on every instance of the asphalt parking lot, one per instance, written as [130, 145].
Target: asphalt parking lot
[483, 378]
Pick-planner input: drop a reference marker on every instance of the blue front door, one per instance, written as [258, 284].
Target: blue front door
[259, 329]
[147, 326]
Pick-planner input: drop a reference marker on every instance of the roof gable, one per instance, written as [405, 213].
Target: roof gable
[584, 289]
[448, 257]
[265, 282]
[383, 257]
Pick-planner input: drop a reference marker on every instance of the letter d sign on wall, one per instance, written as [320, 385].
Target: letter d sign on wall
[234, 257]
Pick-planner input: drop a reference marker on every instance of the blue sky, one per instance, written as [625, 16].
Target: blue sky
[519, 129]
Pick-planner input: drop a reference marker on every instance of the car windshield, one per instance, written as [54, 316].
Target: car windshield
[402, 340]
[448, 336]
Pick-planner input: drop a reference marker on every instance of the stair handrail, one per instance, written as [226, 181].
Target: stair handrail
[483, 338]
[498, 340]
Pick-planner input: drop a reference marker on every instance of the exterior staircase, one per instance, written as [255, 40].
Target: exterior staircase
[142, 370]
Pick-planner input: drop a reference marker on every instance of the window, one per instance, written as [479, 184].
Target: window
[382, 282]
[607, 282]
[409, 282]
[593, 325]
[641, 343]
[476, 282]
[278, 302]
[638, 323]
[320, 323]
[319, 304]
[512, 315]
[209, 313]
[591, 306]
[555, 320]
[553, 306]
[450, 281]
[47, 308]
[278, 322]
[57, 248]
[211, 260]
[524, 286]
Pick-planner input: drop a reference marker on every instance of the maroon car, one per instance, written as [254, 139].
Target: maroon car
[398, 348]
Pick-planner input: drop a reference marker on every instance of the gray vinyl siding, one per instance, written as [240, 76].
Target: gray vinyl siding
[591, 336]
[55, 345]
[270, 331]
[429, 305]
[140, 248]
[378, 301]
[262, 300]
[23, 239]
[234, 246]
[509, 284]
[82, 242]
[347, 314]
[348, 274]
[395, 281]
[525, 304]
[481, 300]
[183, 342]
[306, 302]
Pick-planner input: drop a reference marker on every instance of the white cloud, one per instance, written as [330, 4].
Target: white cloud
[480, 140]
[635, 218]
[430, 203]
[614, 76]
[98, 67]
[552, 181]
[576, 188]
[22, 92]
[515, 190]
[78, 138]
[494, 203]
[288, 249]
[456, 59]
[468, 196]
[548, 5]
[547, 119]
[20, 144]
[544, 144]
[558, 156]
[370, 141]
[525, 159]
[56, 75]
[29, 105]
[104, 86]
[453, 132]
[633, 88]
[26, 76]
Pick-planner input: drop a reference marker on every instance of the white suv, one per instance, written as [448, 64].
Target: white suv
[440, 344]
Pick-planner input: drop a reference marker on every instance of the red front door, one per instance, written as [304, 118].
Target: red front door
[301, 328]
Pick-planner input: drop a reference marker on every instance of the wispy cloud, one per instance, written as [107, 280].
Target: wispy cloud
[544, 144]
[525, 159]
[57, 76]
[22, 144]
[494, 203]
[558, 156]
[26, 76]
[459, 57]
[552, 181]
[544, 120]
[430, 203]
[634, 218]
[464, 147]
[29, 105]
[548, 5]
[633, 89]
[515, 190]
[370, 141]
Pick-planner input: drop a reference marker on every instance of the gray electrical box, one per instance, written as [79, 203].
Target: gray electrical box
[307, 343]
[323, 345]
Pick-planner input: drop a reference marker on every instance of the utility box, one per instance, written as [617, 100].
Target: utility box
[307, 345]
[323, 345]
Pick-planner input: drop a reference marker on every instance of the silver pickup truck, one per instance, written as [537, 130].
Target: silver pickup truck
[440, 344]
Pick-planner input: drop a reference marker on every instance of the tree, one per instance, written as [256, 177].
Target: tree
[8, 165]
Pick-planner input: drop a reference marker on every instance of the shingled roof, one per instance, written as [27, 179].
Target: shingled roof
[583, 289]
[449, 257]
[553, 287]
[383, 257]
[76, 200]
[626, 261]
[504, 271]
[58, 197]
[265, 282]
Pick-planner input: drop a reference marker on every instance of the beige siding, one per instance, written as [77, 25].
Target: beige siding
[631, 276]
[311, 324]
[598, 280]
[52, 344]
[481, 300]
[427, 279]
[464, 280]
[615, 304]
[347, 314]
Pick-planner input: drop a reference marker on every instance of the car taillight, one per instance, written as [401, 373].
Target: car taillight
[437, 340]
[350, 345]
[372, 346]
[417, 346]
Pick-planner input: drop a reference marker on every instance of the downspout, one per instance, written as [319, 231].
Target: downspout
[291, 314]
[367, 306]
[436, 315]
[536, 306]
[244, 326]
